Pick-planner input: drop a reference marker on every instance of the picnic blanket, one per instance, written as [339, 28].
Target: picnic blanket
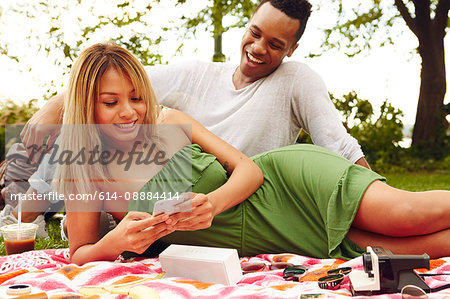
[50, 271]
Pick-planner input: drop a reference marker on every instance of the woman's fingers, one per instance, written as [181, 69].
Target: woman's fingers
[141, 229]
[199, 200]
[193, 224]
[147, 236]
[200, 216]
[157, 231]
[135, 215]
[143, 220]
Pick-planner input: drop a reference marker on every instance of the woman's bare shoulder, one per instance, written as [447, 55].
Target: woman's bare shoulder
[173, 116]
[175, 129]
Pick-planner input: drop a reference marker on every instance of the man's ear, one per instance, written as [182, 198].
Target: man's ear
[292, 49]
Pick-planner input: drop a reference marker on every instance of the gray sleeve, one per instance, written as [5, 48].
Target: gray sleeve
[316, 113]
[173, 84]
[158, 75]
[41, 180]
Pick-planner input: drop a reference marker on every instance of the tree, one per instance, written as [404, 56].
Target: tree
[428, 21]
[13, 113]
[237, 12]
[67, 27]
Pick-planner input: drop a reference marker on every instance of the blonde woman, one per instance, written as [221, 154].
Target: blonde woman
[120, 153]
[109, 103]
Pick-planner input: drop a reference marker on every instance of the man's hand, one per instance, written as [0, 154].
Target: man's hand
[200, 217]
[44, 123]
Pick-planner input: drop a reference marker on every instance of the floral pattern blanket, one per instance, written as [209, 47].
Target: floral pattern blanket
[50, 271]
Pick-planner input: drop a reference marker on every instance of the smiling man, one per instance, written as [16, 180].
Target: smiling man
[270, 36]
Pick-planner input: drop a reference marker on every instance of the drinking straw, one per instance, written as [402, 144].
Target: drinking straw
[19, 217]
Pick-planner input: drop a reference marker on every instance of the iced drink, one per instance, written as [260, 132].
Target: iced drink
[18, 241]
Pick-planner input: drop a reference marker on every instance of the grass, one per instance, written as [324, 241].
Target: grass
[419, 181]
[412, 181]
[54, 241]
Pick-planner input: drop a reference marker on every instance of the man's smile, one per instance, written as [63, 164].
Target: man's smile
[254, 59]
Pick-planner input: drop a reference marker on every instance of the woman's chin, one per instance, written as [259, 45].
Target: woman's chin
[123, 140]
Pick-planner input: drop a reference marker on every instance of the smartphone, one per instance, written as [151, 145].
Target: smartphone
[173, 205]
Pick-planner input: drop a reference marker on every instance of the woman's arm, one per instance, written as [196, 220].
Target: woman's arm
[245, 176]
[136, 232]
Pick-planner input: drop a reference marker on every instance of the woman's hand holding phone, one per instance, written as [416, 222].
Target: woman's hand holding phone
[138, 230]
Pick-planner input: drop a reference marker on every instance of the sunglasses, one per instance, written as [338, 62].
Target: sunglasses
[294, 272]
[412, 291]
[260, 267]
[334, 278]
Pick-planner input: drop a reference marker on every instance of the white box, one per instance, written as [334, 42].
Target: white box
[207, 264]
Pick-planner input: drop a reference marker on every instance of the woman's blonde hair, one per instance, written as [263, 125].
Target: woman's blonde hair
[79, 132]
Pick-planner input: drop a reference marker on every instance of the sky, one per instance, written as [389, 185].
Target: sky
[392, 72]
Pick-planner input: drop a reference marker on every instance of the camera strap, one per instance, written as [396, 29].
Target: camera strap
[437, 289]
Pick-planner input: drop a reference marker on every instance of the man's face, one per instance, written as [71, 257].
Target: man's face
[270, 36]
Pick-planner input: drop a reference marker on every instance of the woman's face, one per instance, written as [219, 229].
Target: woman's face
[117, 108]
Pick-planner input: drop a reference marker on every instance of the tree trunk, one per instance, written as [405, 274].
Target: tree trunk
[430, 125]
[218, 55]
[218, 30]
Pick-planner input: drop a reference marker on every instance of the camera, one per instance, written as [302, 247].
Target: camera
[386, 272]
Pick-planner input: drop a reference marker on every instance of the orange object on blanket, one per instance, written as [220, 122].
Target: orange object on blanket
[316, 274]
[9, 275]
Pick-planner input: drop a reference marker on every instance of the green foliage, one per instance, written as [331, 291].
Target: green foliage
[362, 24]
[379, 137]
[67, 27]
[214, 18]
[354, 111]
[359, 27]
[3, 46]
[406, 161]
[434, 149]
[211, 16]
[13, 113]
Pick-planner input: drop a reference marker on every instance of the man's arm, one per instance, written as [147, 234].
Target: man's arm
[362, 161]
[43, 124]
[316, 113]
[175, 84]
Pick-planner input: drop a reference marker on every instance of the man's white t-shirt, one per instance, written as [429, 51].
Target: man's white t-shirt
[264, 115]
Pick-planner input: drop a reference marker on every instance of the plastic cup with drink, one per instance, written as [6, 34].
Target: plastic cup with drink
[19, 237]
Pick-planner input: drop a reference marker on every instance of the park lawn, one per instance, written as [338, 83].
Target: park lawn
[419, 181]
[412, 181]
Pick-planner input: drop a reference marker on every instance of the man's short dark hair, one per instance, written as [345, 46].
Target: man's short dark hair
[296, 9]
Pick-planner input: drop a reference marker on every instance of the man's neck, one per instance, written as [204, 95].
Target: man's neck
[240, 81]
